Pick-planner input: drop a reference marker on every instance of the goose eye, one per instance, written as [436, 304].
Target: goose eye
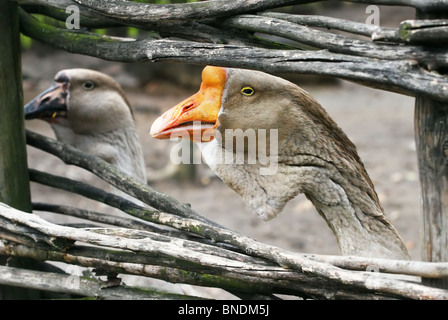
[88, 85]
[247, 91]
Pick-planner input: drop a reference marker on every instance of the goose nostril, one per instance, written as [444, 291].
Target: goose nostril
[188, 107]
[45, 100]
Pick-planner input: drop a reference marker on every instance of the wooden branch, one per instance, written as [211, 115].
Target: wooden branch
[286, 26]
[201, 32]
[112, 175]
[169, 269]
[421, 269]
[218, 236]
[325, 22]
[335, 42]
[162, 218]
[434, 32]
[62, 5]
[241, 284]
[140, 244]
[60, 14]
[107, 262]
[421, 5]
[302, 270]
[413, 268]
[139, 212]
[184, 224]
[25, 236]
[376, 33]
[187, 30]
[104, 218]
[403, 76]
[77, 285]
[245, 244]
[139, 13]
[431, 135]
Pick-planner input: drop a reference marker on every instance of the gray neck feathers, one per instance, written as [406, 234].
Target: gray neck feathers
[120, 147]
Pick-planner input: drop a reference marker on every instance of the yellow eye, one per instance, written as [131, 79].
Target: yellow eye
[247, 91]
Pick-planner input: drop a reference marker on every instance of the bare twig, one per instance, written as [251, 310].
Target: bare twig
[152, 13]
[334, 42]
[433, 32]
[143, 13]
[77, 285]
[413, 268]
[422, 5]
[376, 33]
[104, 218]
[326, 22]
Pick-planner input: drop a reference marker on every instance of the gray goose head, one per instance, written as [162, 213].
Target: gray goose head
[89, 110]
[309, 153]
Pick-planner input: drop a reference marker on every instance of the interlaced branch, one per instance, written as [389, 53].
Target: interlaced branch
[403, 69]
[244, 262]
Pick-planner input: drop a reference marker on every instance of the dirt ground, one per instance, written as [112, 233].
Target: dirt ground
[380, 124]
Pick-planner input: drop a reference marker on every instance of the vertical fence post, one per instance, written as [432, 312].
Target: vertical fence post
[14, 181]
[431, 130]
[431, 136]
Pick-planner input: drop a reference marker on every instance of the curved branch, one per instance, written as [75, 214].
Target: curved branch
[413, 268]
[139, 12]
[429, 32]
[203, 229]
[77, 285]
[61, 15]
[422, 5]
[335, 42]
[142, 13]
[402, 75]
[368, 30]
[104, 218]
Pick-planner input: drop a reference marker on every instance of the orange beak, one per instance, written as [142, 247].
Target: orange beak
[196, 116]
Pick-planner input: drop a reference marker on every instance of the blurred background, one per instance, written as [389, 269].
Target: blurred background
[379, 123]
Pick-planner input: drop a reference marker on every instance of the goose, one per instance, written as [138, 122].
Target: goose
[87, 109]
[302, 151]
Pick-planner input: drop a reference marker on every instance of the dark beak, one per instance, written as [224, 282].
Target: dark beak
[49, 104]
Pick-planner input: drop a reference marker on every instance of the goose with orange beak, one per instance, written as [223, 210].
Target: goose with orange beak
[202, 108]
[312, 155]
